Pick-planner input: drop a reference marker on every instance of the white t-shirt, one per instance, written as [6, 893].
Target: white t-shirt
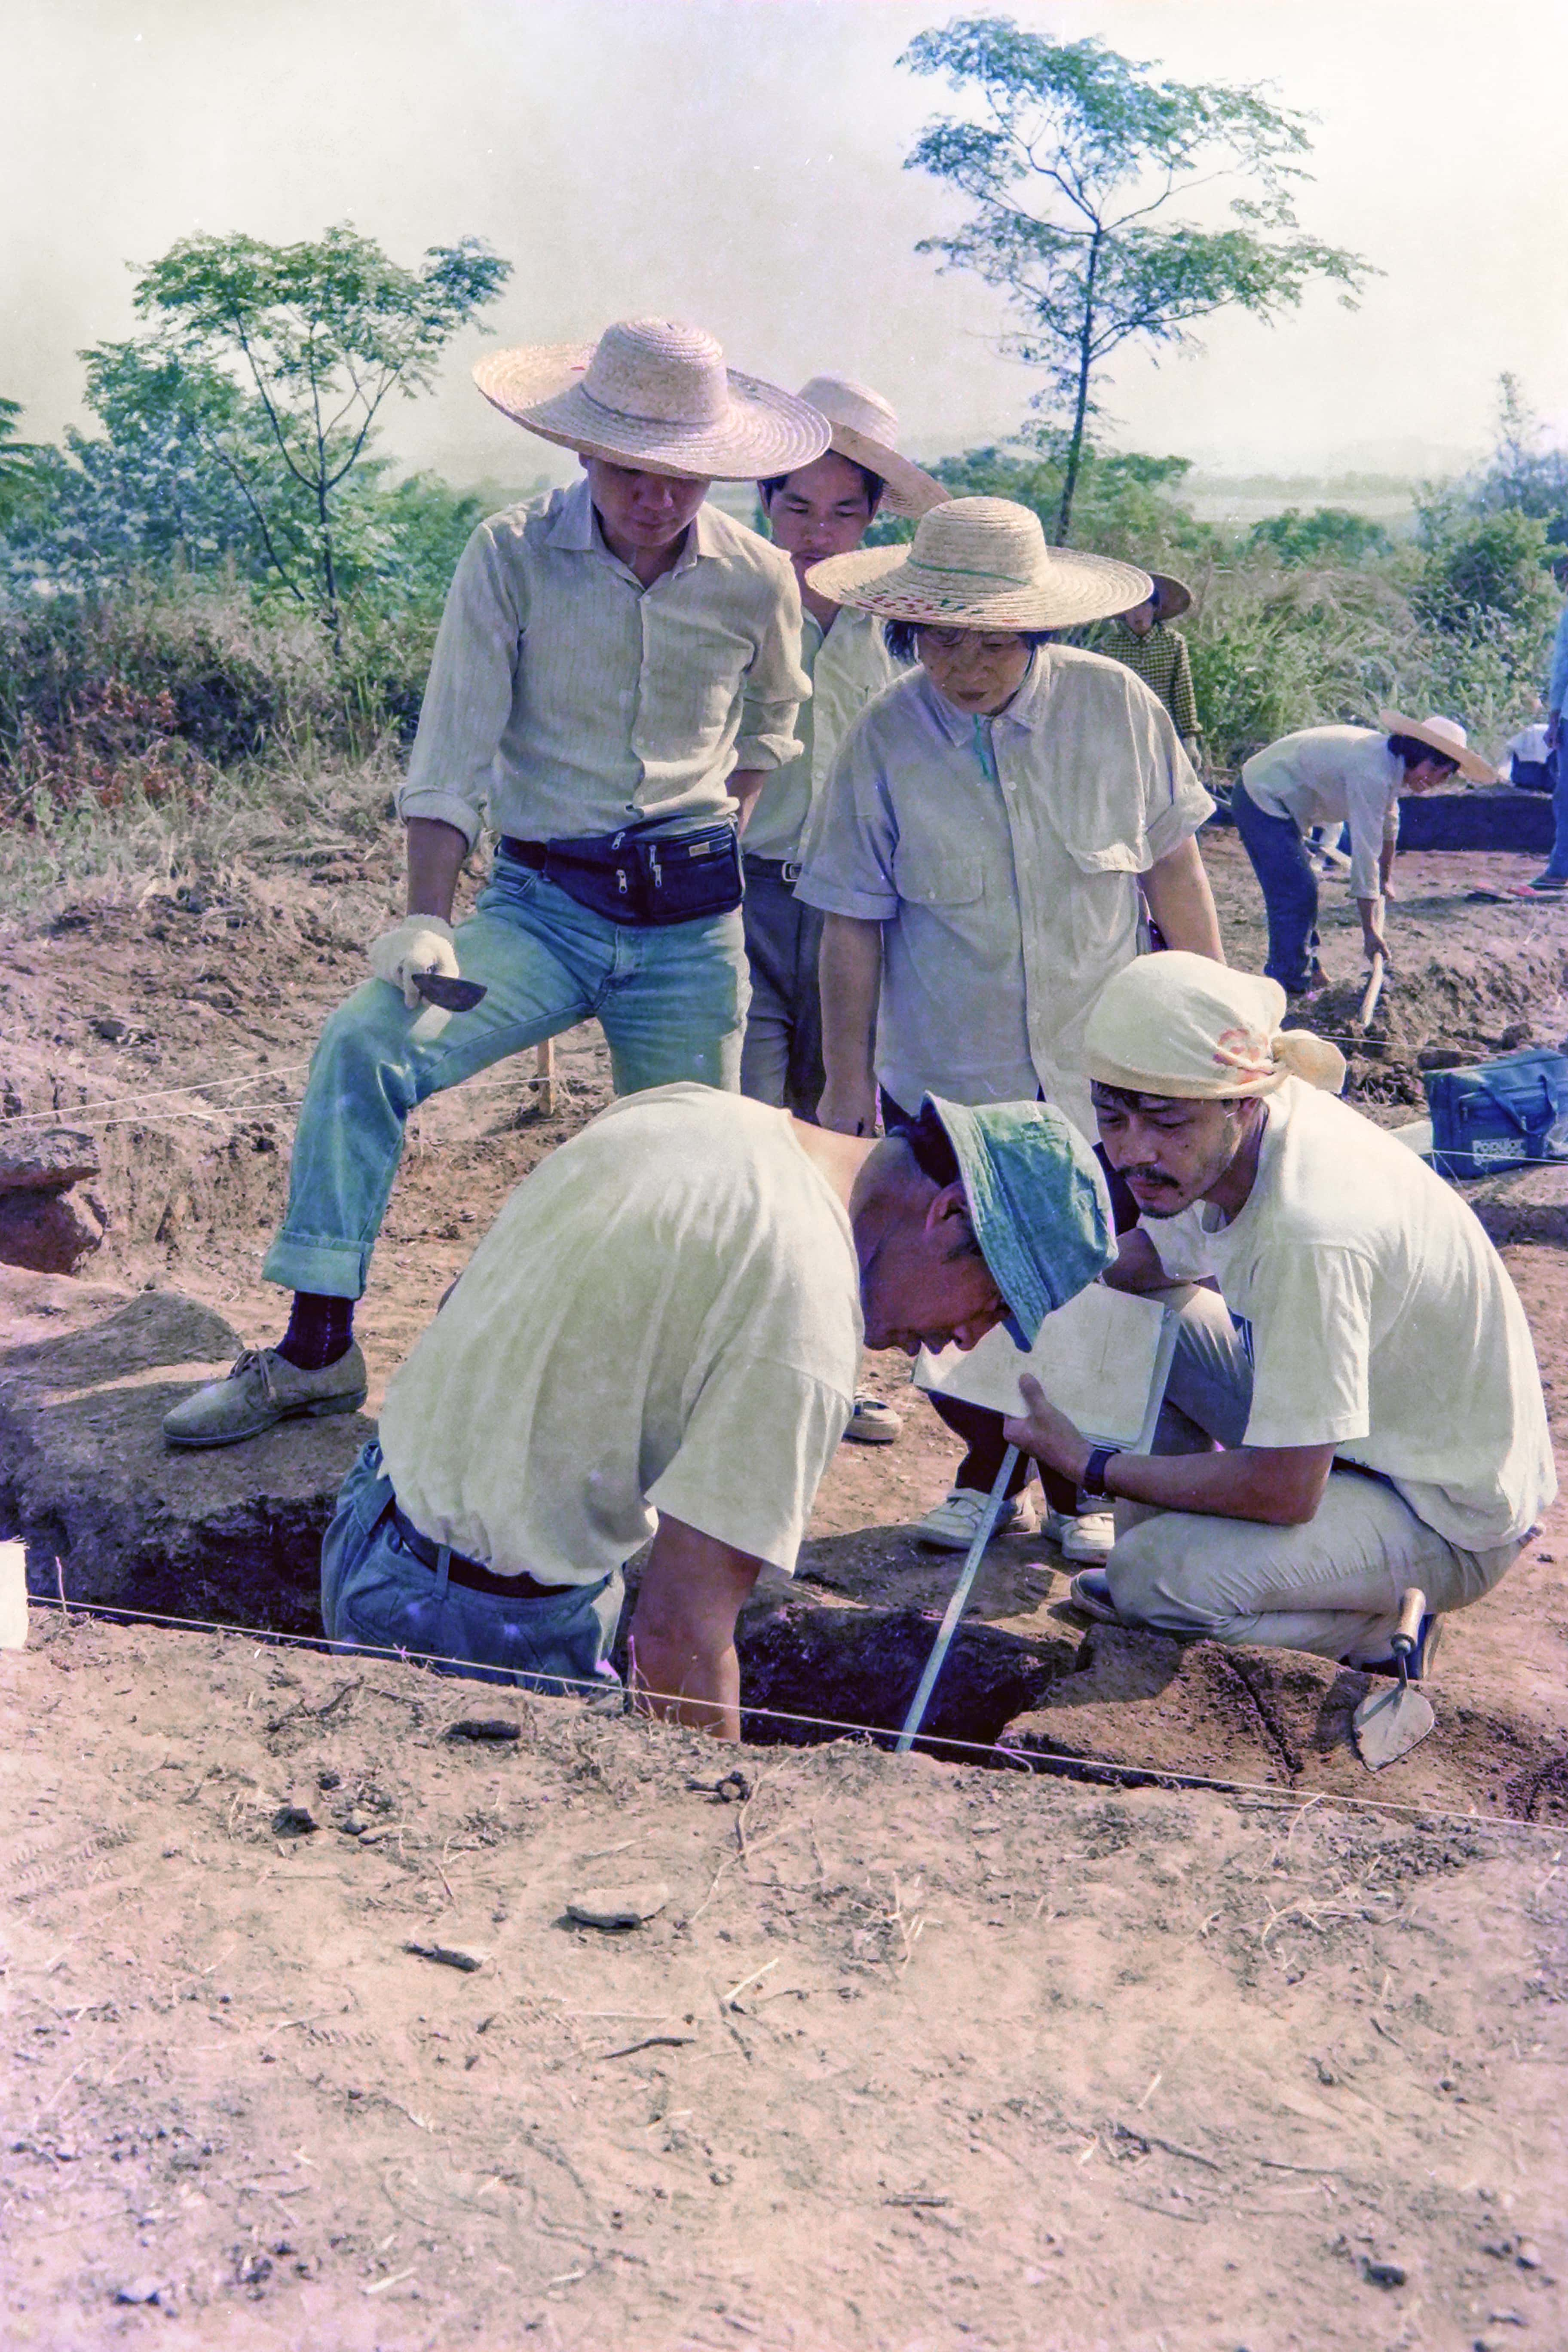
[1378, 1318]
[665, 1316]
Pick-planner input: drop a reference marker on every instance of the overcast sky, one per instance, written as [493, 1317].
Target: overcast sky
[737, 162]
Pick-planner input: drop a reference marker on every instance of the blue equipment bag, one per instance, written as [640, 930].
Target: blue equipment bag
[1500, 1114]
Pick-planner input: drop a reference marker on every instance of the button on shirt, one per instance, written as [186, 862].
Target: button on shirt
[1332, 776]
[566, 699]
[1001, 859]
[846, 667]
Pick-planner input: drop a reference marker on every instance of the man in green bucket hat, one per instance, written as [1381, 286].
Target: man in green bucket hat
[658, 1339]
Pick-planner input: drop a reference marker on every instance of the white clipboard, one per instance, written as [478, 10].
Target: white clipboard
[1103, 1359]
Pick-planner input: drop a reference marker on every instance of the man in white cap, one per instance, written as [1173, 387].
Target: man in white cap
[1366, 1365]
[616, 671]
[981, 852]
[1332, 776]
[815, 511]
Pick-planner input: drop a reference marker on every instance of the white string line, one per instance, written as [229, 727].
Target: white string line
[1029, 1760]
[66, 1114]
[157, 1093]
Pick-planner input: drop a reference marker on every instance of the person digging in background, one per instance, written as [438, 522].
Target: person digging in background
[1554, 880]
[821, 509]
[1332, 776]
[617, 669]
[1141, 639]
[1365, 1364]
[659, 1338]
[978, 853]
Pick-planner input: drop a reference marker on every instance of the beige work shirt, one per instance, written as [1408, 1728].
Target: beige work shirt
[564, 697]
[1001, 860]
[1333, 776]
[848, 666]
[664, 1317]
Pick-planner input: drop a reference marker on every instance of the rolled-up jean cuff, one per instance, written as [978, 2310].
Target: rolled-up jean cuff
[326, 1269]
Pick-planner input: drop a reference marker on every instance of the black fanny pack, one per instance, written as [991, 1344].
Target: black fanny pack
[635, 876]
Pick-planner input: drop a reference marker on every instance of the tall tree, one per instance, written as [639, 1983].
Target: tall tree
[1073, 158]
[279, 359]
[18, 463]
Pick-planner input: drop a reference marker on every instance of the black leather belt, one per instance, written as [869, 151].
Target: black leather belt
[776, 869]
[471, 1573]
[527, 852]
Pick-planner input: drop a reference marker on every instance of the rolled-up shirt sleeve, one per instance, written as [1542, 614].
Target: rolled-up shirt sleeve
[847, 854]
[776, 685]
[1175, 803]
[468, 696]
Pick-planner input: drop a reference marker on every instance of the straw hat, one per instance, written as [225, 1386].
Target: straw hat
[980, 563]
[865, 430]
[657, 395]
[1447, 737]
[1173, 597]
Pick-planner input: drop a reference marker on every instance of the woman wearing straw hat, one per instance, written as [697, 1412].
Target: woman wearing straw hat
[980, 848]
[617, 669]
[1155, 653]
[1331, 776]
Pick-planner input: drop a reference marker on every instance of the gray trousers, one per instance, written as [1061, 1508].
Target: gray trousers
[781, 1057]
[1330, 1586]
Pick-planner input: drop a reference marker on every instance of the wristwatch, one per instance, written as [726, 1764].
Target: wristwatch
[1092, 1483]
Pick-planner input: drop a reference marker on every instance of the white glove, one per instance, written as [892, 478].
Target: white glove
[419, 943]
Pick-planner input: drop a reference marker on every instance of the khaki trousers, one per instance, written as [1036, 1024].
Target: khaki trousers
[1330, 1586]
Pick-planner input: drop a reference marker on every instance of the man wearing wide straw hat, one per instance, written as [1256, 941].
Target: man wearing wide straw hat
[1157, 655]
[1331, 776]
[980, 847]
[617, 669]
[1366, 1364]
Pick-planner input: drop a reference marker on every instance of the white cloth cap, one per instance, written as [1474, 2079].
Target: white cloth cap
[1180, 1025]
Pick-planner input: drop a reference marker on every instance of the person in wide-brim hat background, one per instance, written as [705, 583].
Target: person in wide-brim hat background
[980, 852]
[617, 670]
[1158, 654]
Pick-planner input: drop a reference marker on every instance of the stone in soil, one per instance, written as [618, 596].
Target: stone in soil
[233, 1534]
[47, 1163]
[47, 1233]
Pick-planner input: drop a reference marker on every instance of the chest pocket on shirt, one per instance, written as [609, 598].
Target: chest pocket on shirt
[928, 877]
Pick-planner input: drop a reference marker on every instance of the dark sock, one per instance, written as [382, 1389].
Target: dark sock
[319, 1331]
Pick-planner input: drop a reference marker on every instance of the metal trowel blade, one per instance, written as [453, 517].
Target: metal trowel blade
[452, 995]
[1390, 1723]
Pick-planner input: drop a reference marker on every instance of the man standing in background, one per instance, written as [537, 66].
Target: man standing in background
[821, 509]
[1156, 655]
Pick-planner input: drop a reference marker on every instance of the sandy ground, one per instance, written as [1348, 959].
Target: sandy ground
[1000, 2007]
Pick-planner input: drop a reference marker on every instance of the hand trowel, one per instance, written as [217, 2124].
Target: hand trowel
[445, 989]
[1394, 1720]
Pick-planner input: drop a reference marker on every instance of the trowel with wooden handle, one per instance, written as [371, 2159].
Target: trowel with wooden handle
[1393, 1720]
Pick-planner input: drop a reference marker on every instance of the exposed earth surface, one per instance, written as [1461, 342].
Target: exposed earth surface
[1008, 1989]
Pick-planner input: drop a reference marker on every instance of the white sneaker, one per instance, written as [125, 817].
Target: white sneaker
[872, 1423]
[1085, 1536]
[954, 1523]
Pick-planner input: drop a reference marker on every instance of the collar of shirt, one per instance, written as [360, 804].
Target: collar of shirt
[577, 530]
[959, 726]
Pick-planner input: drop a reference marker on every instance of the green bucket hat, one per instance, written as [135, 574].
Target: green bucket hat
[1037, 1201]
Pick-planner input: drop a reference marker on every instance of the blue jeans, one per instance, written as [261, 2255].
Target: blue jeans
[1289, 888]
[671, 1000]
[376, 1595]
[1557, 864]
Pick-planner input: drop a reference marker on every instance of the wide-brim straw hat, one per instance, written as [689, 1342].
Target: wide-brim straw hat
[866, 431]
[1447, 737]
[655, 396]
[980, 563]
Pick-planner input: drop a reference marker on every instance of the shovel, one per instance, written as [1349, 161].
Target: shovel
[1396, 1718]
[453, 995]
